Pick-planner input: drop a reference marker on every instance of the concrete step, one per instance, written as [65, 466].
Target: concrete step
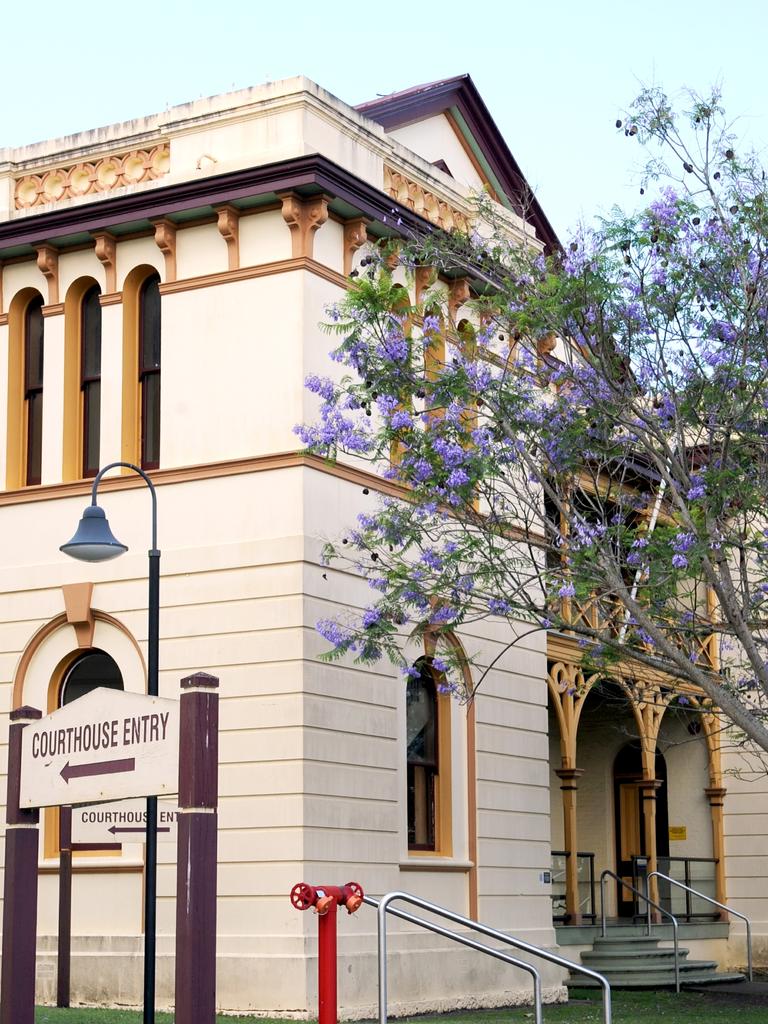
[625, 942]
[628, 960]
[622, 950]
[654, 980]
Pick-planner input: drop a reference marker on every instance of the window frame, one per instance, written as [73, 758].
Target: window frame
[90, 383]
[427, 767]
[33, 393]
[149, 371]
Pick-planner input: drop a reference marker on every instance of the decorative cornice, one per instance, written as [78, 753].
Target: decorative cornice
[48, 265]
[227, 222]
[304, 217]
[3, 319]
[76, 180]
[165, 240]
[458, 294]
[421, 200]
[105, 248]
[53, 309]
[301, 173]
[355, 236]
[208, 471]
[460, 95]
[111, 299]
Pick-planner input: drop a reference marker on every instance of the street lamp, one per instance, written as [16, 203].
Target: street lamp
[94, 542]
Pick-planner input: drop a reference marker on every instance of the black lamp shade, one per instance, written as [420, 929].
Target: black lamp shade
[93, 540]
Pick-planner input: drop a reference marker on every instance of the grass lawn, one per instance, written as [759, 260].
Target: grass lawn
[628, 1008]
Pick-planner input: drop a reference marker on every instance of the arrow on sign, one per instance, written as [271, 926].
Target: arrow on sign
[142, 828]
[78, 771]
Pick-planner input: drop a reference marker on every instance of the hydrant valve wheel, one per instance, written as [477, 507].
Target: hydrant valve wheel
[303, 896]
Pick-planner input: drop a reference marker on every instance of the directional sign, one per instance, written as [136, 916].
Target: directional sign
[123, 822]
[107, 745]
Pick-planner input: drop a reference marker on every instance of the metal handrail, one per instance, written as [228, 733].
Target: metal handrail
[650, 903]
[715, 903]
[383, 908]
[465, 941]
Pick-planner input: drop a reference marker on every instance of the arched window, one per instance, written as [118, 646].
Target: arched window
[149, 372]
[422, 743]
[92, 669]
[24, 405]
[90, 378]
[33, 389]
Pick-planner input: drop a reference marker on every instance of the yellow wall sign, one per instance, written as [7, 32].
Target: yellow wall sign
[678, 832]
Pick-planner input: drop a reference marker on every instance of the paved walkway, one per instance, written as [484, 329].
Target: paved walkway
[755, 991]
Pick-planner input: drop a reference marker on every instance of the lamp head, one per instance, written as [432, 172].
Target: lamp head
[93, 540]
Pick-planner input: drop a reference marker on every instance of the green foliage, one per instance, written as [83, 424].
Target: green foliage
[583, 447]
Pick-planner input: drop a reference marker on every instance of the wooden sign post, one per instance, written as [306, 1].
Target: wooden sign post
[196, 855]
[17, 980]
[111, 745]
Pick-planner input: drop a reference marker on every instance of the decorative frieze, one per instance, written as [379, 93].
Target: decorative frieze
[82, 179]
[416, 197]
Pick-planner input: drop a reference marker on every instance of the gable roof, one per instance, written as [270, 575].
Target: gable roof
[458, 97]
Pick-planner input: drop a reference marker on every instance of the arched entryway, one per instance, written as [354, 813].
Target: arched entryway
[635, 771]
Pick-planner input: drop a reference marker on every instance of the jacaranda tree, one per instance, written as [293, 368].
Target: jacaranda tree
[582, 447]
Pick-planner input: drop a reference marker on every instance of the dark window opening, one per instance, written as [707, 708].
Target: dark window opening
[149, 372]
[92, 669]
[422, 757]
[90, 378]
[33, 388]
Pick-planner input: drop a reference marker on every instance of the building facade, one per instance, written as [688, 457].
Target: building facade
[163, 287]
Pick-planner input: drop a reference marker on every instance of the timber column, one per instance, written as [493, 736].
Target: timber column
[570, 784]
[196, 859]
[17, 991]
[716, 797]
[648, 789]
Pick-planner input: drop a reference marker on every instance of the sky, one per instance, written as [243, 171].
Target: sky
[555, 74]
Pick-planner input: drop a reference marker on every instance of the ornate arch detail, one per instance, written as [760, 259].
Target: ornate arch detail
[713, 730]
[569, 689]
[47, 630]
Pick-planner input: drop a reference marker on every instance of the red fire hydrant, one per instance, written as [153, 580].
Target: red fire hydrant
[326, 899]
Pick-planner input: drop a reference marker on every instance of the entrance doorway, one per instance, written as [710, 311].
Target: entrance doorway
[628, 812]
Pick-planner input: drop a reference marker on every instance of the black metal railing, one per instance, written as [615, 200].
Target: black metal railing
[697, 873]
[586, 882]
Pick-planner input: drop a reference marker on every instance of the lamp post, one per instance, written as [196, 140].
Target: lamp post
[94, 542]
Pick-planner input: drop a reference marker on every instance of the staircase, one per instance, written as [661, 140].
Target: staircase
[637, 961]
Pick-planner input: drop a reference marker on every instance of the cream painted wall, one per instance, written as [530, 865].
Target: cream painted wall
[232, 381]
[200, 250]
[133, 253]
[688, 775]
[22, 275]
[434, 139]
[74, 265]
[264, 238]
[257, 137]
[329, 245]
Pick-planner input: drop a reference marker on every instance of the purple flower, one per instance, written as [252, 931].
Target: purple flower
[567, 590]
[697, 490]
[457, 478]
[371, 616]
[400, 420]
